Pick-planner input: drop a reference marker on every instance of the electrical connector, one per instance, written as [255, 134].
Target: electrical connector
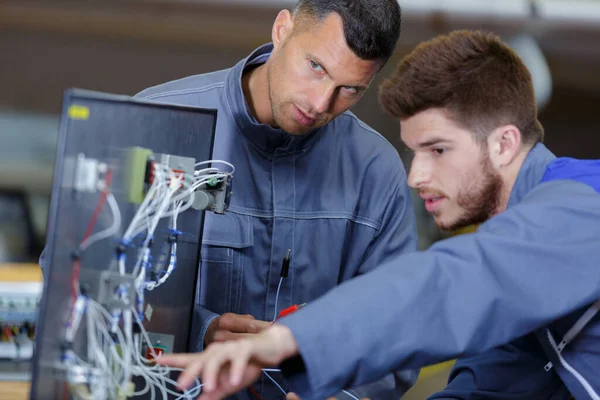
[290, 310]
[87, 174]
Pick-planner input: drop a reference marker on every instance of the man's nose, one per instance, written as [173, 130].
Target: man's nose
[322, 97]
[419, 175]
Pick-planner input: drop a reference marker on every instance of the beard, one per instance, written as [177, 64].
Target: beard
[479, 199]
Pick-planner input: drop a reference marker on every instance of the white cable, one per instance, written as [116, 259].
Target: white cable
[277, 298]
[173, 253]
[275, 382]
[141, 209]
[95, 354]
[149, 343]
[216, 162]
[168, 196]
[351, 395]
[588, 388]
[127, 367]
[194, 392]
[77, 313]
[110, 231]
[158, 379]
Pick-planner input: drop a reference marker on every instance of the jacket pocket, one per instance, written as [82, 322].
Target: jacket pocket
[226, 244]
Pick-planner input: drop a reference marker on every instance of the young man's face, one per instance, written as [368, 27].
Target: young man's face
[314, 76]
[450, 170]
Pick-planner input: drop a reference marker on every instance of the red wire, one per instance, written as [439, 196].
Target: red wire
[254, 393]
[65, 391]
[89, 230]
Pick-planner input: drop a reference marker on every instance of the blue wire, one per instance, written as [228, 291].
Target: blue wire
[350, 394]
[277, 298]
[275, 382]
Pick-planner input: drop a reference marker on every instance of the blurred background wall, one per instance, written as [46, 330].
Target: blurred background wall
[124, 46]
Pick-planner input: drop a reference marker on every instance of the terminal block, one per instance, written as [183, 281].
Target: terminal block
[140, 171]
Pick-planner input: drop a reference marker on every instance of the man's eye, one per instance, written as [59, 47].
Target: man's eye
[439, 151]
[315, 65]
[349, 90]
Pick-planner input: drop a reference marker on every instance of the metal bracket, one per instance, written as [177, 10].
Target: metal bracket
[214, 198]
[116, 290]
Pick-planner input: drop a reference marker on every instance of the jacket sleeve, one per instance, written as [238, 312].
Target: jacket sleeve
[391, 387]
[524, 268]
[398, 232]
[398, 235]
[510, 372]
[200, 323]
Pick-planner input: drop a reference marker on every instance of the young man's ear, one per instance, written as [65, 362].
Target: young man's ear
[282, 28]
[504, 145]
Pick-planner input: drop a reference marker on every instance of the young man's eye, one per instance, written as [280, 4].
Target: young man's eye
[439, 151]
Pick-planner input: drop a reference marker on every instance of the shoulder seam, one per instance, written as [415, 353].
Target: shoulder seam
[367, 128]
[185, 91]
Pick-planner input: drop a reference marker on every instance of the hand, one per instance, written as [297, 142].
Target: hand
[233, 326]
[226, 368]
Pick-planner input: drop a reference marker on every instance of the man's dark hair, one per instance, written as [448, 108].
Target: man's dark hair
[477, 79]
[371, 27]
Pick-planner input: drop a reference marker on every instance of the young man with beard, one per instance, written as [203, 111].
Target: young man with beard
[514, 299]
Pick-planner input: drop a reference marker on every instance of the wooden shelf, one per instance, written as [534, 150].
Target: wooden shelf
[26, 272]
[15, 390]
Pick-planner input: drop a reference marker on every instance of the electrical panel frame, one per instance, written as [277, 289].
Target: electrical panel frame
[105, 127]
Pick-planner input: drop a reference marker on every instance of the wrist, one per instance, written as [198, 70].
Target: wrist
[283, 339]
[209, 330]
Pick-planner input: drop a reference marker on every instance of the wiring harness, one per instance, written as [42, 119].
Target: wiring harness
[113, 322]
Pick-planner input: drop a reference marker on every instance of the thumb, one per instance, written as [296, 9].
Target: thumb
[292, 396]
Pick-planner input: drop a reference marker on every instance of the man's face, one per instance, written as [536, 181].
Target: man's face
[451, 171]
[313, 76]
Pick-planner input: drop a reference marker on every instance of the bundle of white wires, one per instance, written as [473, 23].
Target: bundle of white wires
[113, 349]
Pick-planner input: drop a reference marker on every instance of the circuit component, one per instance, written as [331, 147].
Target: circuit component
[136, 163]
[214, 196]
[116, 290]
[84, 174]
[181, 167]
[161, 344]
[18, 313]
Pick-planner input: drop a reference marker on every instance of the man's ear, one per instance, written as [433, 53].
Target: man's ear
[504, 145]
[282, 28]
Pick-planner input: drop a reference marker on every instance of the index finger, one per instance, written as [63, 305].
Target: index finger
[178, 360]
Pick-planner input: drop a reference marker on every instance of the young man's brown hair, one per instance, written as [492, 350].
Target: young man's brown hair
[472, 75]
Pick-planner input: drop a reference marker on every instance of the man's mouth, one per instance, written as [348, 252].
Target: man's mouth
[302, 118]
[432, 202]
